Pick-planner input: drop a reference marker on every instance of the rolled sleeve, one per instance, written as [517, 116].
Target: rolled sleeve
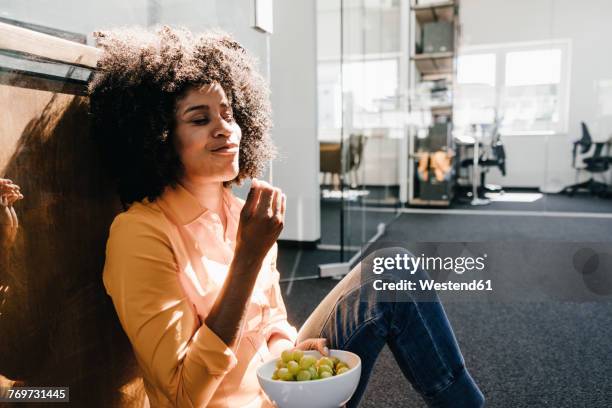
[211, 352]
[185, 360]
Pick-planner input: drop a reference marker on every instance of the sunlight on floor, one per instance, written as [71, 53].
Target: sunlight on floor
[514, 197]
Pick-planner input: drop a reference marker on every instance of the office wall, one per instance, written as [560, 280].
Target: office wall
[535, 160]
[294, 104]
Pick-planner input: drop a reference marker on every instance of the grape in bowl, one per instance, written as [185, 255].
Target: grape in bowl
[327, 392]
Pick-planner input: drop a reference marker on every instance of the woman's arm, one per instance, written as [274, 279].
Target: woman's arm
[227, 315]
[261, 221]
[184, 360]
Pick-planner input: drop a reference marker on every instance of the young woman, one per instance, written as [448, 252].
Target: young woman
[191, 268]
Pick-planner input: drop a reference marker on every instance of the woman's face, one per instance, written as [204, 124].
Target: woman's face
[207, 136]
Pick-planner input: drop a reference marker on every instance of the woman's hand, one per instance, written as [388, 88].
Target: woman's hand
[9, 194]
[261, 221]
[319, 344]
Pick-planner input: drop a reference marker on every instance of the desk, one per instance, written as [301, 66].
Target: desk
[330, 157]
[330, 160]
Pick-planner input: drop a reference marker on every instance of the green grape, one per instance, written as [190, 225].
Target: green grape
[293, 367]
[325, 368]
[325, 361]
[297, 355]
[284, 374]
[304, 375]
[342, 370]
[313, 372]
[307, 361]
[287, 355]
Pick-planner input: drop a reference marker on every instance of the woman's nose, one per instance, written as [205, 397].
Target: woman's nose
[223, 129]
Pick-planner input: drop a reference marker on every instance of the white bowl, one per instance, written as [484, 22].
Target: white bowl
[329, 392]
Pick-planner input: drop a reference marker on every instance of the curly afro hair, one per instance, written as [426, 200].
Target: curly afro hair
[141, 75]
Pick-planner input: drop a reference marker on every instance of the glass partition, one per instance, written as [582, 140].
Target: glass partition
[360, 119]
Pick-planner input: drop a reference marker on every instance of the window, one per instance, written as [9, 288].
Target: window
[475, 93]
[524, 85]
[369, 89]
[372, 83]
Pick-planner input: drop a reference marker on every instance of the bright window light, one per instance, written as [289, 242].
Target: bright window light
[371, 82]
[537, 67]
[524, 86]
[476, 69]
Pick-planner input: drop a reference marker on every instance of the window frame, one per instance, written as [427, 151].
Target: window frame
[500, 50]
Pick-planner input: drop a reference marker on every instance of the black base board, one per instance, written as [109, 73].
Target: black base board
[289, 243]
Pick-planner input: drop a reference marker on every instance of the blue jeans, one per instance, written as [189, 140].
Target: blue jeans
[356, 318]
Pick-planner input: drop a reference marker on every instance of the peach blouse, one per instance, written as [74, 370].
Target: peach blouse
[165, 263]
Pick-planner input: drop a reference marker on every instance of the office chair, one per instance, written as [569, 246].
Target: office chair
[597, 163]
[355, 155]
[494, 157]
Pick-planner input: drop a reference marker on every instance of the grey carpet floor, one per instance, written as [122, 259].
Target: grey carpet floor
[522, 354]
[359, 224]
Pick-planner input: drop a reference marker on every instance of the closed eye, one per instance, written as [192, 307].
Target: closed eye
[228, 117]
[203, 121]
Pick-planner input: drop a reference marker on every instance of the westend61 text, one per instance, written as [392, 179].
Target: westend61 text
[430, 284]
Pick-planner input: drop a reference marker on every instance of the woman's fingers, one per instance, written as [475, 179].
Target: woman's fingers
[283, 206]
[319, 344]
[9, 194]
[251, 200]
[273, 202]
[15, 219]
[265, 199]
[322, 346]
[13, 197]
[8, 188]
[6, 217]
[277, 203]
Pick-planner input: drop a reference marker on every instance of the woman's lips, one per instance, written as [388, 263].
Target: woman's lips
[226, 150]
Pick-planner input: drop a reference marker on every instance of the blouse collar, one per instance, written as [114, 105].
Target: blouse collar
[185, 208]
